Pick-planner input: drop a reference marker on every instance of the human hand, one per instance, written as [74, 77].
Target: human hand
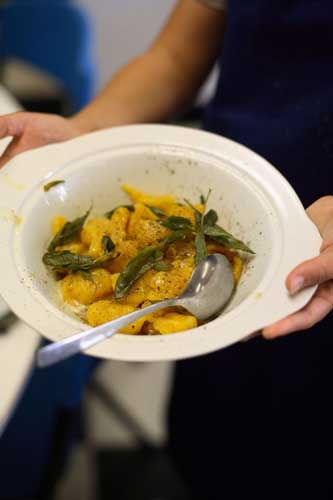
[33, 130]
[317, 271]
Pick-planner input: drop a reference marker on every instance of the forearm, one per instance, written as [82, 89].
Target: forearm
[166, 77]
[149, 89]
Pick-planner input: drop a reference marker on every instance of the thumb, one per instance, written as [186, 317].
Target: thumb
[13, 124]
[16, 125]
[312, 272]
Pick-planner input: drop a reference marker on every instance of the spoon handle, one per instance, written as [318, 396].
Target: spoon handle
[58, 351]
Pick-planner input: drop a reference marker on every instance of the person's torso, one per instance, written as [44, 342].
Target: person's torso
[275, 92]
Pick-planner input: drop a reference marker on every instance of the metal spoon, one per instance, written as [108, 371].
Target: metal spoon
[208, 291]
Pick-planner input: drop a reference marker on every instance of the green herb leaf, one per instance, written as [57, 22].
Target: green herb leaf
[108, 215]
[163, 265]
[200, 242]
[211, 218]
[142, 262]
[69, 232]
[51, 185]
[157, 211]
[198, 220]
[146, 259]
[173, 237]
[204, 200]
[107, 245]
[197, 214]
[177, 223]
[200, 247]
[68, 261]
[226, 239]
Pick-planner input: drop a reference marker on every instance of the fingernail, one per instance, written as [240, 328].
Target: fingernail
[296, 284]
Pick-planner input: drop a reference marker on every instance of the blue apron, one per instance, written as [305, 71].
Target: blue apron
[255, 420]
[275, 93]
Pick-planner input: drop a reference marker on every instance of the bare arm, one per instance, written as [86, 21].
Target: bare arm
[149, 89]
[166, 77]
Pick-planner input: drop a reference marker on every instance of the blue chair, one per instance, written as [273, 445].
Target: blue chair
[45, 425]
[56, 37]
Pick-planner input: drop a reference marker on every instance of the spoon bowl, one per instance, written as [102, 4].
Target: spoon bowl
[208, 291]
[210, 287]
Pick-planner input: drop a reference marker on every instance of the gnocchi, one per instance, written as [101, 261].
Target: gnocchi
[134, 256]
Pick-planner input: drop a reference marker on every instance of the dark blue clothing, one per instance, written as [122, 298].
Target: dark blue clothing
[255, 420]
[275, 93]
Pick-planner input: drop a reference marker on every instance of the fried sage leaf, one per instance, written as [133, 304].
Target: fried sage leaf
[163, 265]
[142, 262]
[157, 211]
[197, 214]
[215, 232]
[69, 232]
[173, 237]
[146, 259]
[68, 261]
[108, 215]
[51, 185]
[176, 223]
[200, 247]
[226, 239]
[200, 241]
[211, 218]
[204, 200]
[107, 245]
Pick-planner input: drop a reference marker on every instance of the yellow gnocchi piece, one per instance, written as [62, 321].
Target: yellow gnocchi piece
[181, 211]
[149, 232]
[174, 322]
[95, 228]
[58, 223]
[118, 224]
[105, 310]
[237, 268]
[181, 250]
[127, 250]
[135, 296]
[77, 288]
[114, 278]
[168, 284]
[162, 201]
[131, 232]
[141, 212]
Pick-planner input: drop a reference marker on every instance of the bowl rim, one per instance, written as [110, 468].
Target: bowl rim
[17, 183]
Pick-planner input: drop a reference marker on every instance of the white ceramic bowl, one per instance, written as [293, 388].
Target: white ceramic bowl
[253, 201]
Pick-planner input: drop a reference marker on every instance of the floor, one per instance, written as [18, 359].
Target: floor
[120, 460]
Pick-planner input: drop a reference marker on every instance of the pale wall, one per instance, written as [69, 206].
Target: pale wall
[124, 29]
